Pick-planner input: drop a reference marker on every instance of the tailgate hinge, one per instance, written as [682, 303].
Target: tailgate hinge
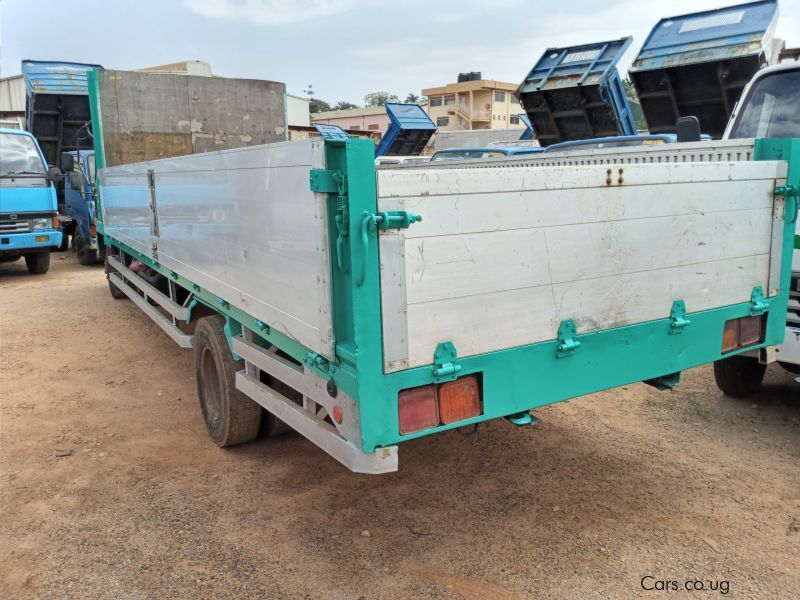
[758, 304]
[445, 362]
[567, 344]
[333, 181]
[678, 321]
[790, 192]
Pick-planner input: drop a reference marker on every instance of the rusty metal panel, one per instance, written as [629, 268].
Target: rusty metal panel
[148, 116]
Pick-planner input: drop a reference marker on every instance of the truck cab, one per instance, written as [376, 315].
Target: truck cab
[768, 109]
[28, 206]
[80, 204]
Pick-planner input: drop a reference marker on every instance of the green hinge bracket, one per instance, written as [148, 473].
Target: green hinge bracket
[333, 181]
[445, 362]
[677, 318]
[312, 359]
[567, 344]
[758, 304]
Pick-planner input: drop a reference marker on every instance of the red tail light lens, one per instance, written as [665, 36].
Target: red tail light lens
[459, 400]
[418, 409]
[740, 333]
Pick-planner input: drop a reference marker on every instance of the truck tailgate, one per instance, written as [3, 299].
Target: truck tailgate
[504, 254]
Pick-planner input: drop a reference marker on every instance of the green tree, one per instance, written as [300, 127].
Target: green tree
[316, 105]
[412, 98]
[379, 98]
[344, 105]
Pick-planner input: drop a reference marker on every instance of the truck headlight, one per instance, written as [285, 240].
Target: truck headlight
[46, 223]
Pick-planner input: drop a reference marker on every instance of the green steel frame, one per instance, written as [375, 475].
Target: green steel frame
[513, 380]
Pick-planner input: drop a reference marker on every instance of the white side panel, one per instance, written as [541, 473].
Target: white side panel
[504, 255]
[243, 224]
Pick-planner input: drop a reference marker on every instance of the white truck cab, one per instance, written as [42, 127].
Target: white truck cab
[769, 108]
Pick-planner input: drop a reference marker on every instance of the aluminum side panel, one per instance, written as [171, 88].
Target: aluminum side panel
[503, 255]
[242, 224]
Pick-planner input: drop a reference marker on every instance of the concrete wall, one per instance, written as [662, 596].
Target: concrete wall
[297, 111]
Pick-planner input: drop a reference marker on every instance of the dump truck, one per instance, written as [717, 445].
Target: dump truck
[410, 130]
[57, 114]
[768, 108]
[365, 308]
[698, 64]
[576, 93]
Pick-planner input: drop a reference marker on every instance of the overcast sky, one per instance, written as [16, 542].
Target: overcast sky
[344, 48]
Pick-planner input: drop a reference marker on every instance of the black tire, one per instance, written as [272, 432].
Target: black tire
[86, 256]
[231, 417]
[64, 241]
[116, 293]
[739, 376]
[38, 263]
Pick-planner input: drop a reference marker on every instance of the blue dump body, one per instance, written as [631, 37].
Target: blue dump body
[331, 132]
[698, 64]
[57, 107]
[576, 93]
[487, 152]
[409, 132]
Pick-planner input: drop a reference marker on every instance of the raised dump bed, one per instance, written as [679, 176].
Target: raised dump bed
[698, 64]
[576, 93]
[409, 132]
[57, 106]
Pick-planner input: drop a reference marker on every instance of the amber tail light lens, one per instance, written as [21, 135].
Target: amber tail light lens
[459, 400]
[740, 333]
[418, 409]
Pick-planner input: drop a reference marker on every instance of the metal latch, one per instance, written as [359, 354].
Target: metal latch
[790, 192]
[567, 344]
[758, 304]
[393, 219]
[445, 362]
[678, 321]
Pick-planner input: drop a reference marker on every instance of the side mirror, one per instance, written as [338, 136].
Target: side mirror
[54, 175]
[688, 129]
[77, 182]
[67, 162]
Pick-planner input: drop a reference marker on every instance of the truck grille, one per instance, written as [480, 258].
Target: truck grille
[793, 317]
[16, 226]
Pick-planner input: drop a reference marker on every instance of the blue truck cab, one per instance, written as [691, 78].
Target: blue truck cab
[28, 205]
[80, 204]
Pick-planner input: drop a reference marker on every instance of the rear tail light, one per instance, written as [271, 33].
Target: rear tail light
[418, 409]
[740, 333]
[428, 406]
[459, 400]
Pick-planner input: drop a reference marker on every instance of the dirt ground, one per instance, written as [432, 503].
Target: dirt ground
[110, 487]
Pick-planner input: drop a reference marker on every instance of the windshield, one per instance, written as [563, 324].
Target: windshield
[771, 108]
[18, 154]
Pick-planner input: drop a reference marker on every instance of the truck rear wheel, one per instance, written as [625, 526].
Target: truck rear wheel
[38, 263]
[86, 256]
[739, 375]
[231, 417]
[116, 293]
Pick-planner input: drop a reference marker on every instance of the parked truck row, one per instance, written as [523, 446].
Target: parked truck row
[367, 306]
